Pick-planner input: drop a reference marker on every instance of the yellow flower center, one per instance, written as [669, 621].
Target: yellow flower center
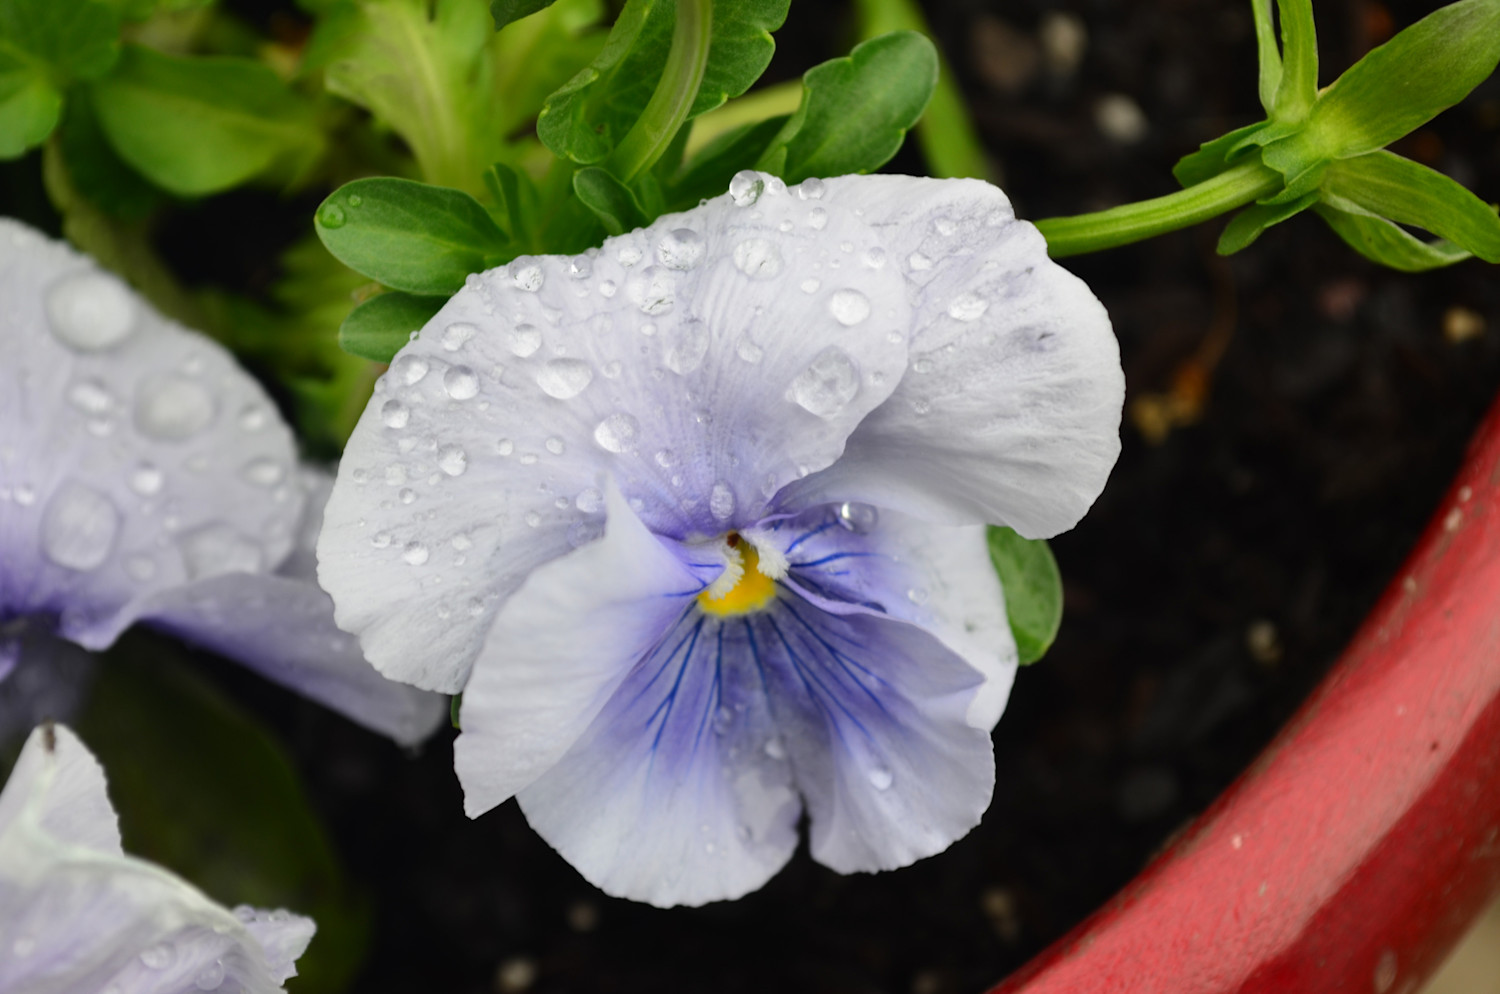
[753, 591]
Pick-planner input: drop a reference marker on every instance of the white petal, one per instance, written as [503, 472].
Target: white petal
[134, 455]
[702, 390]
[1009, 412]
[64, 786]
[558, 651]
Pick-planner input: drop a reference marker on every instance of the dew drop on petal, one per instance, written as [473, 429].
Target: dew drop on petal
[628, 255]
[526, 275]
[523, 340]
[617, 433]
[564, 378]
[158, 957]
[211, 977]
[263, 472]
[858, 518]
[533, 519]
[394, 414]
[146, 480]
[881, 778]
[90, 312]
[666, 458]
[746, 187]
[757, 258]
[827, 385]
[253, 417]
[849, 307]
[589, 501]
[917, 595]
[457, 335]
[721, 501]
[690, 346]
[381, 540]
[460, 382]
[810, 189]
[918, 262]
[79, 527]
[528, 459]
[775, 749]
[968, 307]
[749, 352]
[216, 549]
[331, 216]
[415, 554]
[581, 267]
[817, 219]
[811, 285]
[90, 397]
[173, 408]
[653, 290]
[407, 495]
[410, 369]
[505, 446]
[874, 257]
[680, 248]
[555, 446]
[453, 460]
[581, 533]
[607, 288]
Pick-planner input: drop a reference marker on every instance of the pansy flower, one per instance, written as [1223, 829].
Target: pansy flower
[145, 477]
[79, 915]
[695, 521]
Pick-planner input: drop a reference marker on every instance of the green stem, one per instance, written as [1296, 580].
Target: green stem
[1134, 222]
[673, 98]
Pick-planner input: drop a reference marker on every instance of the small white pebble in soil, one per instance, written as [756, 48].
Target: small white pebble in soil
[1120, 119]
[999, 906]
[1064, 40]
[1461, 324]
[583, 916]
[1263, 642]
[514, 975]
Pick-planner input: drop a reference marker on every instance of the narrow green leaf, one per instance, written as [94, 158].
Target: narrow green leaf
[29, 108]
[506, 11]
[1213, 157]
[1298, 86]
[1408, 192]
[378, 328]
[200, 125]
[1386, 243]
[1246, 226]
[1404, 83]
[515, 198]
[455, 705]
[1269, 52]
[610, 200]
[410, 236]
[856, 110]
[533, 57]
[1033, 590]
[709, 172]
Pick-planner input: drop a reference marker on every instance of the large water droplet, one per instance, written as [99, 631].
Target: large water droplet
[453, 460]
[460, 382]
[158, 957]
[607, 288]
[523, 340]
[968, 307]
[849, 307]
[505, 446]
[628, 255]
[746, 187]
[721, 501]
[689, 347]
[817, 219]
[173, 408]
[555, 446]
[146, 480]
[874, 257]
[654, 290]
[581, 267]
[749, 352]
[680, 248]
[589, 501]
[526, 275]
[415, 554]
[211, 977]
[410, 369]
[217, 549]
[394, 414]
[617, 432]
[332, 216]
[79, 527]
[757, 258]
[810, 189]
[90, 397]
[564, 378]
[858, 518]
[264, 472]
[918, 262]
[457, 335]
[881, 778]
[827, 385]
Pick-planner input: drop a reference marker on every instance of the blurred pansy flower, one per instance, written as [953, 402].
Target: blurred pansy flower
[145, 477]
[695, 522]
[79, 915]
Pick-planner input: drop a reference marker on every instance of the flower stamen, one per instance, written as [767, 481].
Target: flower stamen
[752, 590]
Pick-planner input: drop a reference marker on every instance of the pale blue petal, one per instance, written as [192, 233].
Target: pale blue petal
[1010, 409]
[134, 455]
[702, 390]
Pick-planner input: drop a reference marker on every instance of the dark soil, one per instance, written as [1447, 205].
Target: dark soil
[1207, 592]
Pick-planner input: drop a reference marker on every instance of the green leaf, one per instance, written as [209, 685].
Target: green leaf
[1269, 52]
[532, 58]
[71, 40]
[1298, 85]
[1246, 226]
[506, 11]
[1408, 192]
[856, 110]
[98, 173]
[381, 326]
[516, 199]
[1033, 590]
[205, 791]
[195, 126]
[1384, 242]
[742, 48]
[29, 108]
[610, 200]
[1404, 83]
[408, 235]
[1213, 157]
[708, 173]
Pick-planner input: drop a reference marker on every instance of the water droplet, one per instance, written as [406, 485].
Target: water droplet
[666, 458]
[173, 408]
[407, 495]
[523, 340]
[457, 334]
[858, 518]
[817, 219]
[90, 396]
[263, 472]
[381, 540]
[617, 432]
[217, 549]
[533, 519]
[810, 189]
[757, 258]
[253, 418]
[811, 285]
[395, 475]
[564, 378]
[944, 226]
[581, 267]
[526, 275]
[452, 460]
[460, 382]
[589, 501]
[881, 778]
[775, 749]
[746, 187]
[555, 446]
[476, 607]
[917, 595]
[849, 307]
[394, 414]
[689, 348]
[680, 248]
[158, 957]
[415, 554]
[581, 533]
[612, 369]
[923, 365]
[654, 290]
[212, 975]
[628, 255]
[918, 262]
[968, 307]
[410, 369]
[505, 446]
[331, 216]
[721, 501]
[528, 458]
[827, 385]
[79, 527]
[607, 288]
[749, 351]
[146, 479]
